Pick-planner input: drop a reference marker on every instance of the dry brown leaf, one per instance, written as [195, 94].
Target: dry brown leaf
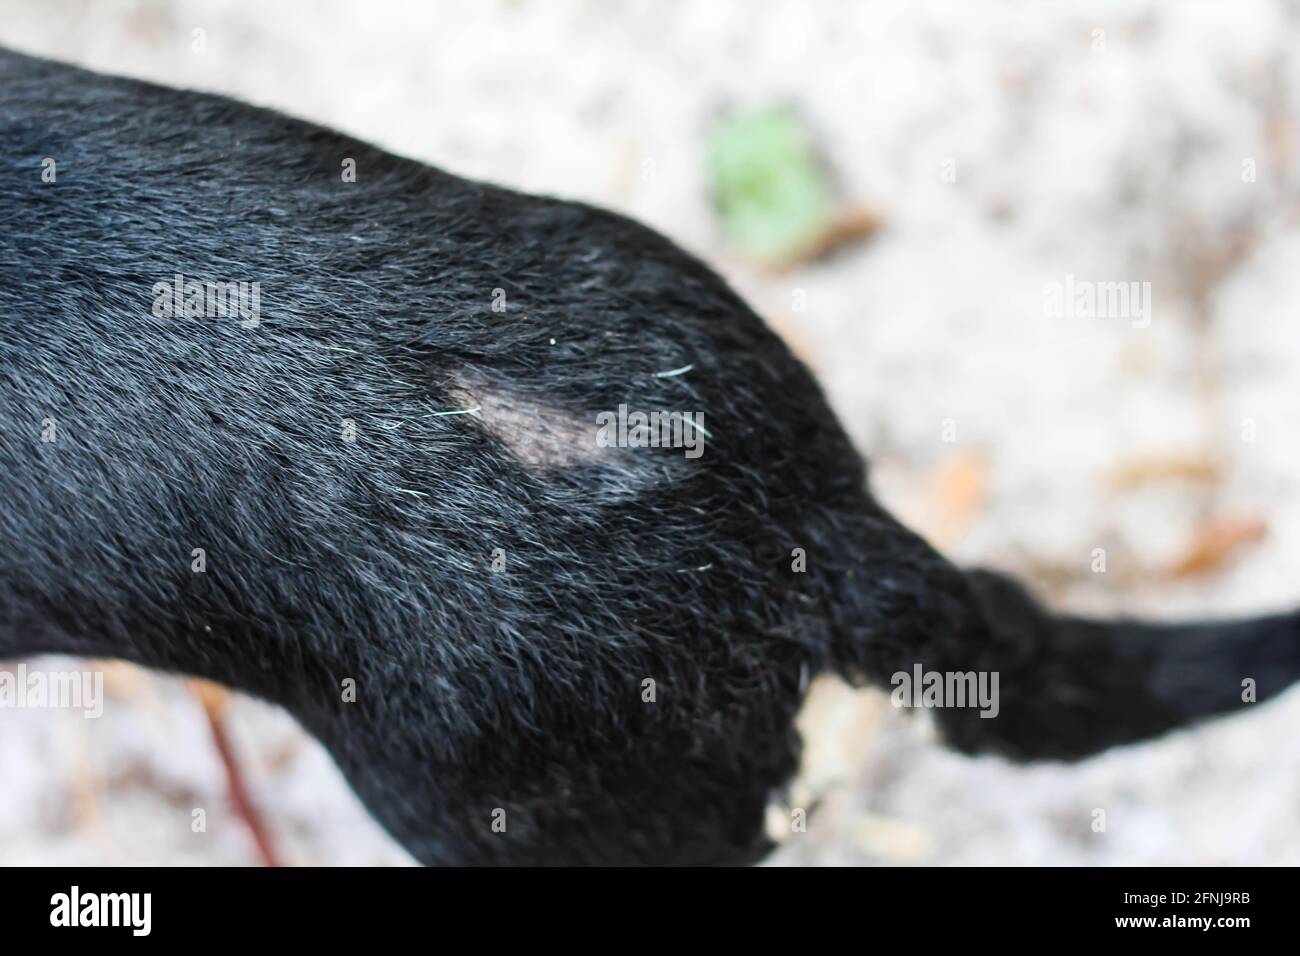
[1215, 543]
[959, 492]
[1155, 469]
[850, 225]
[120, 678]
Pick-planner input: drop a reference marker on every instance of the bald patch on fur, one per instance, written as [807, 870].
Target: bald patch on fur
[539, 435]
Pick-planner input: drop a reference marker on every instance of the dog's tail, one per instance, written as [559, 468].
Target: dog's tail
[1070, 686]
[1055, 686]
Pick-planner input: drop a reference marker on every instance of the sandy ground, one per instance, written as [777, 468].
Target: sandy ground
[1004, 146]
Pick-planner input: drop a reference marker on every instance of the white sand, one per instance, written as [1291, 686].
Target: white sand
[1122, 164]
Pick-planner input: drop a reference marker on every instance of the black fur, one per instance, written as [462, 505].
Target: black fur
[371, 560]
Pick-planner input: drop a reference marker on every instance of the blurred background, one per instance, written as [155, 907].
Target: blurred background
[895, 186]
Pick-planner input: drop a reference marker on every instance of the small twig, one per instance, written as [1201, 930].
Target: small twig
[214, 699]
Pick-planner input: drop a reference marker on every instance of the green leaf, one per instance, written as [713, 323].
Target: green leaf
[772, 193]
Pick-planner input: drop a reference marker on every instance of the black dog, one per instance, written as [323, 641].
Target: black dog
[372, 489]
